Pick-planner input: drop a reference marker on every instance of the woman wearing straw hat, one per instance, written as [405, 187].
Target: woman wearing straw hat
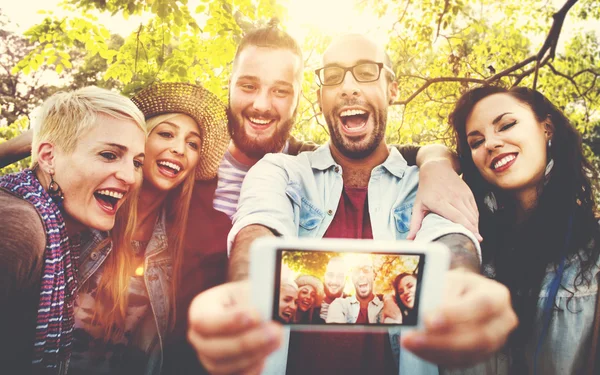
[127, 306]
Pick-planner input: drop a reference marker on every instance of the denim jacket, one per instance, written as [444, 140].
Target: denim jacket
[346, 310]
[568, 341]
[297, 196]
[95, 248]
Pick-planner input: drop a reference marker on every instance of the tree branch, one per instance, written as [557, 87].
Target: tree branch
[431, 81]
[439, 23]
[568, 78]
[544, 55]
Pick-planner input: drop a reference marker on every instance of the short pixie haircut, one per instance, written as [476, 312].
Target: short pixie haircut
[66, 116]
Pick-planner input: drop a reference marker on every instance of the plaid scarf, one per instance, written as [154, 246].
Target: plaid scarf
[54, 326]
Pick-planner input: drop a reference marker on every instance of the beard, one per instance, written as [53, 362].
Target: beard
[353, 149]
[252, 146]
[331, 295]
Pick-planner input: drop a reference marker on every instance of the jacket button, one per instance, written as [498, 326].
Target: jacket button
[94, 255]
[329, 212]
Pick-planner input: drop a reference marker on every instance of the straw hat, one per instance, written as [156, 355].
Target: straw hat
[311, 280]
[200, 104]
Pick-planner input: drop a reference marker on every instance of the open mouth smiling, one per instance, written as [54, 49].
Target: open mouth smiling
[354, 120]
[169, 168]
[108, 199]
[287, 314]
[306, 304]
[260, 122]
[503, 161]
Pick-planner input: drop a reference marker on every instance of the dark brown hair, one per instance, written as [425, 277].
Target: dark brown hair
[270, 36]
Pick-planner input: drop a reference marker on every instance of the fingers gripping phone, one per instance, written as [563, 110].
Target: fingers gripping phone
[345, 284]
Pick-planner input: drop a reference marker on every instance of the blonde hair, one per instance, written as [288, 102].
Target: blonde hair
[177, 206]
[66, 116]
[113, 288]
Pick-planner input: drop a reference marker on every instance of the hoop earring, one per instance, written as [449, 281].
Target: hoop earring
[55, 191]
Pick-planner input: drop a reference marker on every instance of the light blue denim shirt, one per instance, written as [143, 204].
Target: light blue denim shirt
[346, 310]
[96, 246]
[565, 349]
[297, 196]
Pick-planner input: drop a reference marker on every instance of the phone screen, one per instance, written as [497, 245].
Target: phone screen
[329, 287]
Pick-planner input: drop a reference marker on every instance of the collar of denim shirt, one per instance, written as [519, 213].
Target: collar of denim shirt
[321, 159]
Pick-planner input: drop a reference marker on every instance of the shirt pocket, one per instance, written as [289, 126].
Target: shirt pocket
[311, 217]
[402, 216]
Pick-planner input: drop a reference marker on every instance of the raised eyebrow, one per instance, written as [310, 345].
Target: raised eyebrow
[141, 155]
[494, 122]
[364, 61]
[172, 124]
[498, 118]
[118, 146]
[196, 134]
[249, 78]
[361, 61]
[474, 132]
[284, 83]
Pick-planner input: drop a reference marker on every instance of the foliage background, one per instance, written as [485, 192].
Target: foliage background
[385, 267]
[439, 49]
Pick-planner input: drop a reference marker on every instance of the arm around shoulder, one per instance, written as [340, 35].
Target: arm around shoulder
[16, 149]
[22, 245]
[336, 312]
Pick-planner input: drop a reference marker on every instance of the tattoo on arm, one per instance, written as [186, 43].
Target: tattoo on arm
[463, 252]
[239, 260]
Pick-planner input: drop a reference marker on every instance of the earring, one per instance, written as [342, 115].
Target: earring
[55, 191]
[549, 142]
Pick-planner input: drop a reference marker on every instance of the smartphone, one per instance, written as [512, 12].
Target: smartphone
[346, 284]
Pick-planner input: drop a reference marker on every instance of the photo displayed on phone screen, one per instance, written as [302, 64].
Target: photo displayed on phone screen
[325, 287]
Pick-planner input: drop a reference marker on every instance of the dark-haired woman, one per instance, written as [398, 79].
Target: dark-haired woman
[405, 287]
[524, 162]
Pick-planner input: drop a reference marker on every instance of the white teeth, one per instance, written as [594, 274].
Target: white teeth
[110, 193]
[170, 165]
[502, 162]
[259, 121]
[352, 112]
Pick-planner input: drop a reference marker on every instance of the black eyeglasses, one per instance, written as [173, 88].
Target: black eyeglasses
[363, 72]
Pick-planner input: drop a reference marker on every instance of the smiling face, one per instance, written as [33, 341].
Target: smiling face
[335, 278]
[363, 278]
[263, 98]
[508, 143]
[356, 113]
[172, 151]
[287, 302]
[306, 297]
[406, 290]
[104, 167]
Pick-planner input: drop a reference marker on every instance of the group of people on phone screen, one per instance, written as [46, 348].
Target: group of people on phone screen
[308, 299]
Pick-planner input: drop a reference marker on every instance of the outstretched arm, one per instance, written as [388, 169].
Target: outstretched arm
[239, 258]
[225, 329]
[15, 149]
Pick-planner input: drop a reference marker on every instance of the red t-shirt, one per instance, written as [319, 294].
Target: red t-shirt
[345, 353]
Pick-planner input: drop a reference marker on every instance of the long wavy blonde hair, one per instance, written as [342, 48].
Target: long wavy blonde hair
[113, 288]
